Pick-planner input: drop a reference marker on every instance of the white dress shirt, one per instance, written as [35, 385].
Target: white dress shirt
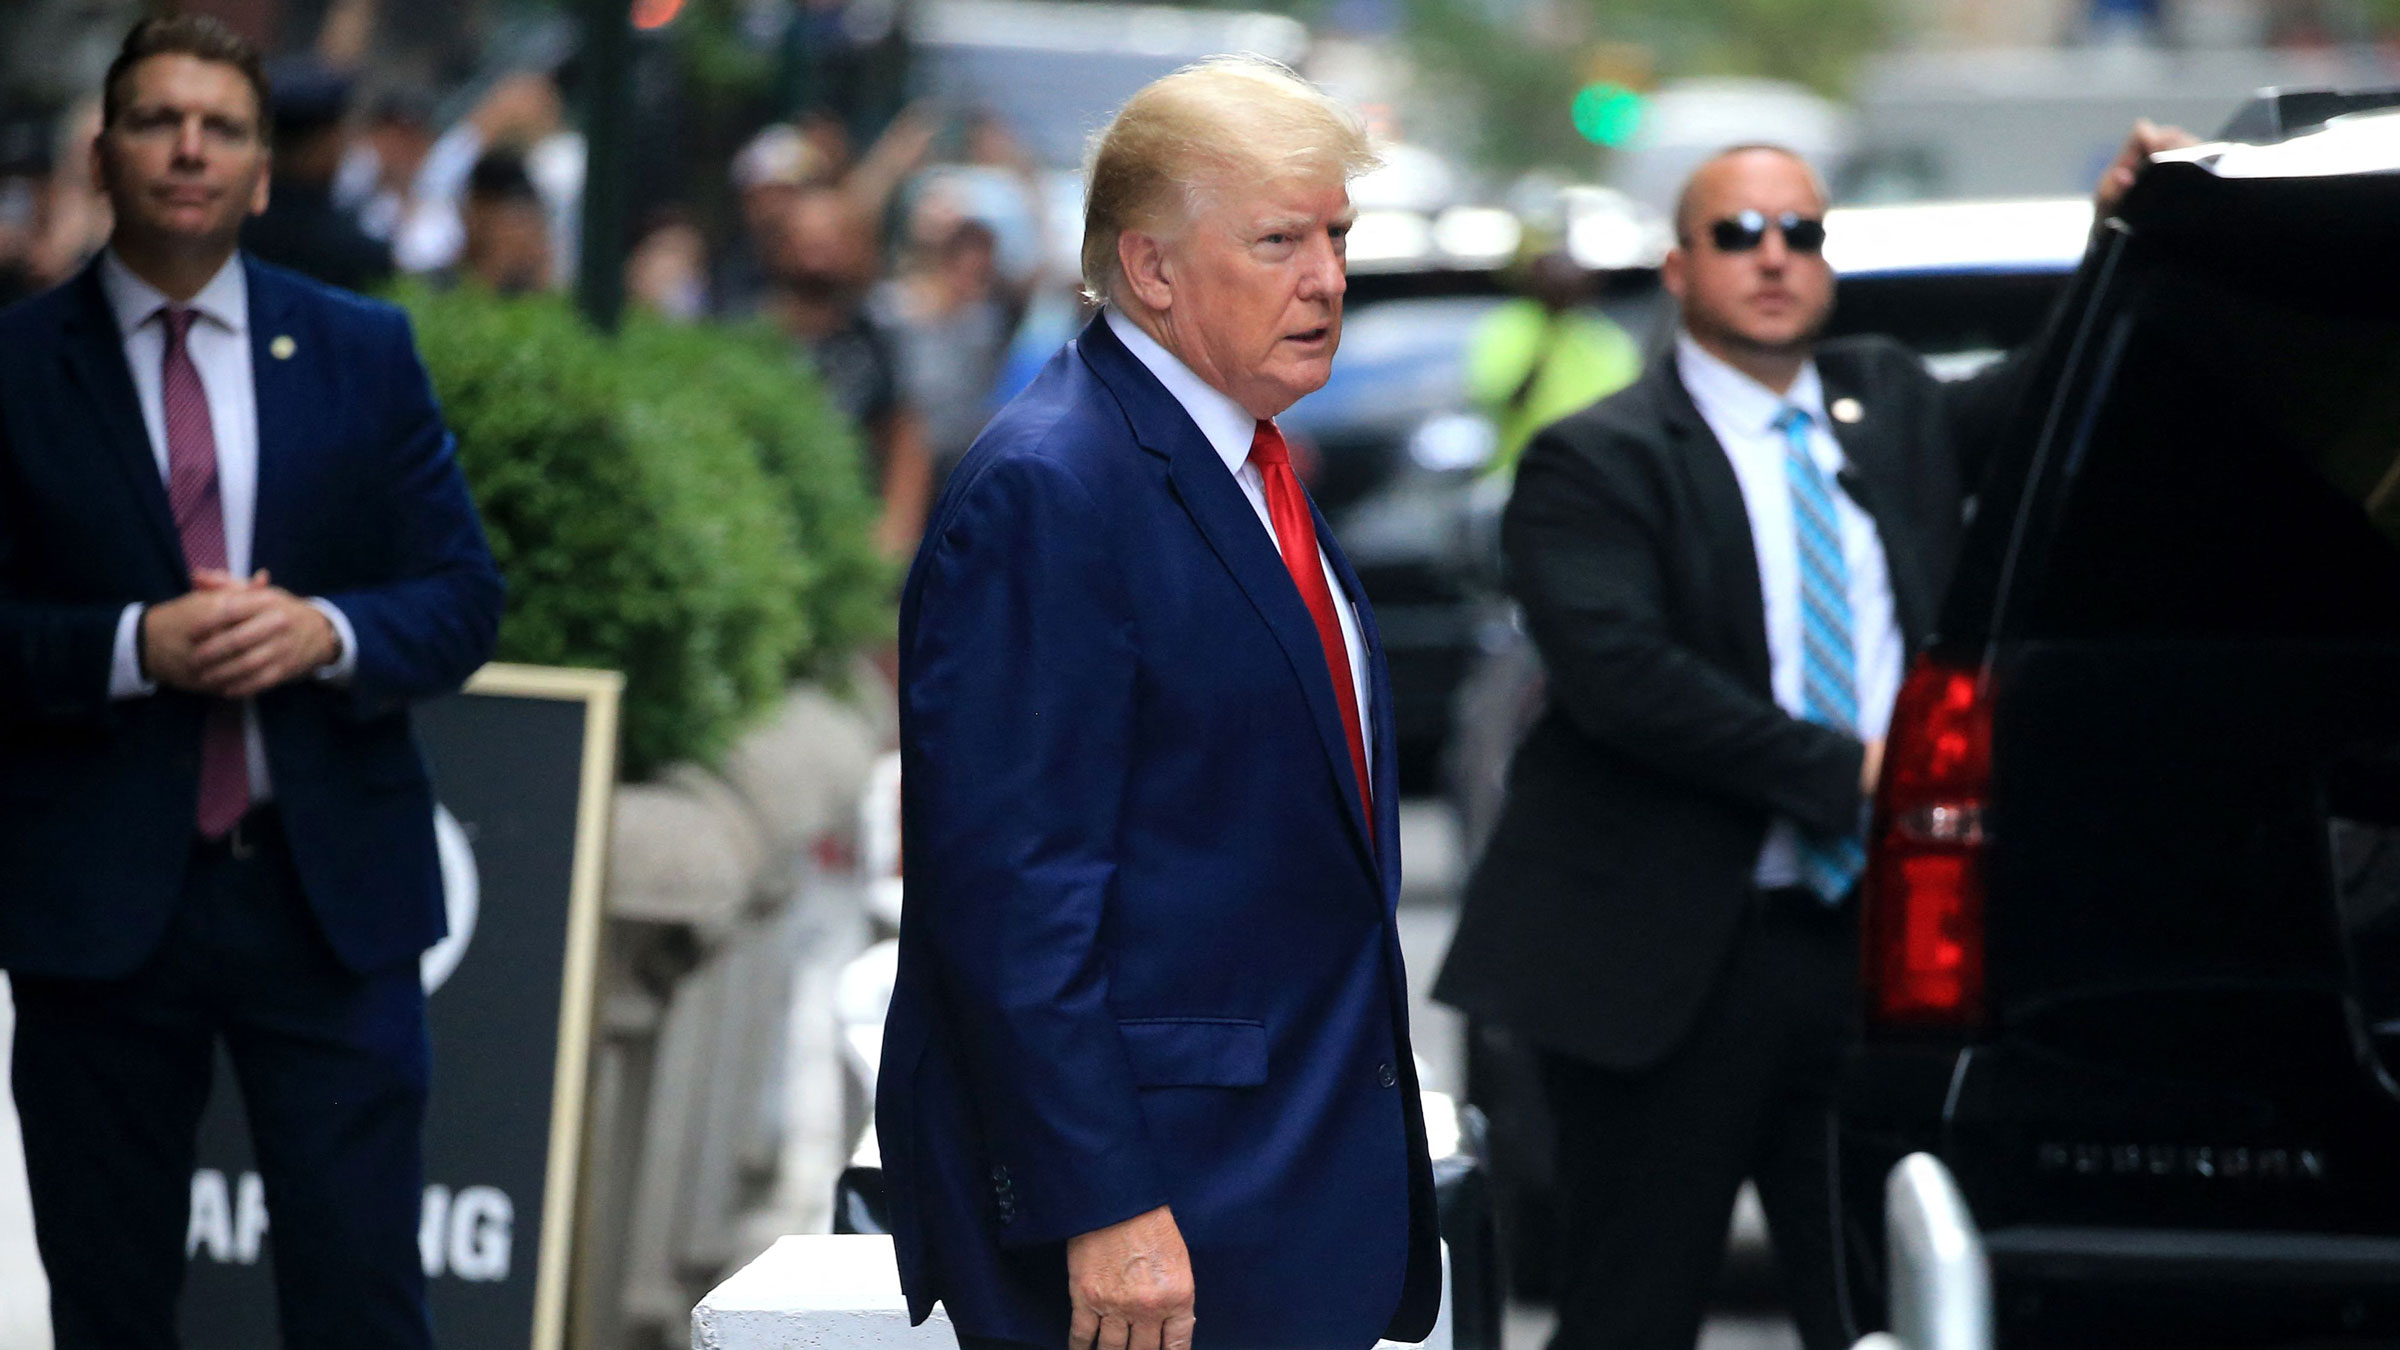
[1742, 413]
[1229, 428]
[219, 345]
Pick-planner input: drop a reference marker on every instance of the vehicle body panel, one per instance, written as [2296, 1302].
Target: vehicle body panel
[2182, 591]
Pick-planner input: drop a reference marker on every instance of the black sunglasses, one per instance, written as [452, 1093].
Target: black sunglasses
[1746, 230]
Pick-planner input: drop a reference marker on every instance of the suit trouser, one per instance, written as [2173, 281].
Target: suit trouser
[1650, 1161]
[111, 1077]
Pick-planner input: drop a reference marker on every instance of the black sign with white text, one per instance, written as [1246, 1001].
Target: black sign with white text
[521, 764]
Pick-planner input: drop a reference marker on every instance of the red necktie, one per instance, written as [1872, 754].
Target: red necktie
[200, 520]
[1296, 538]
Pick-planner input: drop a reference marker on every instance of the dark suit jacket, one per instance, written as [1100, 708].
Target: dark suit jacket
[1606, 903]
[1148, 955]
[359, 501]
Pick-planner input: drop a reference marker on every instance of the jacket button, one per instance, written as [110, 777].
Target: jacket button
[1385, 1076]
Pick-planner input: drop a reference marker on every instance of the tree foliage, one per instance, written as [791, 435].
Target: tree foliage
[1816, 43]
[1520, 66]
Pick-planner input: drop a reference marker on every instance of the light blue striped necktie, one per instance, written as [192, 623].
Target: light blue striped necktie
[1829, 864]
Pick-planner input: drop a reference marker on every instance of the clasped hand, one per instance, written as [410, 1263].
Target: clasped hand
[234, 639]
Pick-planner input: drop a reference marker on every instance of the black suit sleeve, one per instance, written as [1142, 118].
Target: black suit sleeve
[1588, 548]
[54, 656]
[427, 628]
[1976, 411]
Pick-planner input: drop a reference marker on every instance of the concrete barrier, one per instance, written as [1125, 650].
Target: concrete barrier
[24, 1293]
[843, 1293]
[818, 1292]
[720, 1089]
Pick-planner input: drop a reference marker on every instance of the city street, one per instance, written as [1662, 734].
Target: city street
[1433, 872]
[1888, 513]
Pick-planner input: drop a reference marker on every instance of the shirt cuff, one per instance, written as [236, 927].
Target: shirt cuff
[125, 663]
[345, 661]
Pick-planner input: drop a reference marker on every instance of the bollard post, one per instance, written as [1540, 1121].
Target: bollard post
[1941, 1286]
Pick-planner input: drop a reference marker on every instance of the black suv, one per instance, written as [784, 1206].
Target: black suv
[2132, 927]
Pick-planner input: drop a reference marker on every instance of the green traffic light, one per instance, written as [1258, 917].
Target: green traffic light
[1607, 114]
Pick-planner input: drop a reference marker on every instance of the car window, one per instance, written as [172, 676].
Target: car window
[2241, 473]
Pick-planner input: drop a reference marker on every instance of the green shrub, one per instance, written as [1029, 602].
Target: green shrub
[811, 453]
[679, 505]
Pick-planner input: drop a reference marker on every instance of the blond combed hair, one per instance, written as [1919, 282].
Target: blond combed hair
[1217, 123]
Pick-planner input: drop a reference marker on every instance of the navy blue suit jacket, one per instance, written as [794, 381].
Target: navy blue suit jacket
[1148, 954]
[359, 501]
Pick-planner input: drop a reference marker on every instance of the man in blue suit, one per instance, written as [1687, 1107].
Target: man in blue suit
[234, 547]
[1146, 1080]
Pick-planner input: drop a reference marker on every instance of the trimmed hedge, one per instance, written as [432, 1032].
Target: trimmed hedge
[680, 504]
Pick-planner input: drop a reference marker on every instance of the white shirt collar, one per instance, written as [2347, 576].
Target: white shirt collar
[224, 301]
[1730, 399]
[1228, 426]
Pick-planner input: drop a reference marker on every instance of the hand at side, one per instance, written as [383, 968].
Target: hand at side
[1131, 1286]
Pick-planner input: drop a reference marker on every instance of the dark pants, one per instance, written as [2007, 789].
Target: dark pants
[1650, 1162]
[111, 1076]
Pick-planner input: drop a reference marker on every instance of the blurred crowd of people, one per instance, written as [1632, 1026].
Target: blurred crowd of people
[886, 269]
[899, 271]
[52, 216]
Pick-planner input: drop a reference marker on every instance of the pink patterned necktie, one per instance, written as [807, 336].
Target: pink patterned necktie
[200, 521]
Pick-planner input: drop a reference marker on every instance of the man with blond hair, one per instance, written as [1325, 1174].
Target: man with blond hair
[1146, 1079]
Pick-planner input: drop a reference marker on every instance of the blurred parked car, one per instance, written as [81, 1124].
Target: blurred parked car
[1400, 452]
[1960, 283]
[2132, 923]
[1394, 445]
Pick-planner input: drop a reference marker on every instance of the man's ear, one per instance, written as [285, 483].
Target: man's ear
[1671, 272]
[258, 194]
[1149, 272]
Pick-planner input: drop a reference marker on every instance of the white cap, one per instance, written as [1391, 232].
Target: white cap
[778, 156]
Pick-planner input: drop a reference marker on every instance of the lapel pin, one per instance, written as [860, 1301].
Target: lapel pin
[283, 347]
[1847, 410]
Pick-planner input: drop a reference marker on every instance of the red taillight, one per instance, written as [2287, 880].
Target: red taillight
[1923, 959]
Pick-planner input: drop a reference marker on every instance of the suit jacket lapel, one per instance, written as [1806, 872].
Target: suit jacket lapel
[1732, 548]
[280, 400]
[94, 352]
[1381, 730]
[1868, 446]
[1231, 528]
